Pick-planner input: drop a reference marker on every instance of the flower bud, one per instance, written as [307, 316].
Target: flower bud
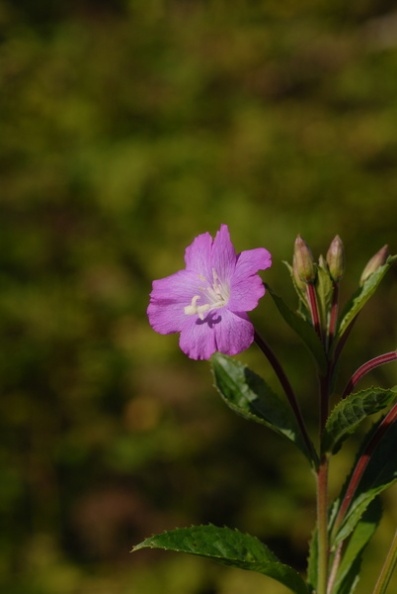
[336, 259]
[375, 262]
[303, 263]
[300, 284]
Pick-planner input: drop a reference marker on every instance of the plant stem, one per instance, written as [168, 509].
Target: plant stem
[324, 400]
[334, 568]
[387, 569]
[279, 371]
[339, 344]
[322, 526]
[366, 368]
[362, 464]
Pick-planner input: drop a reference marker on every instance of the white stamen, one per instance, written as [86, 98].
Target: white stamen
[218, 296]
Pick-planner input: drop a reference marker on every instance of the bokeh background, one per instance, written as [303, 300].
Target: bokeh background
[127, 128]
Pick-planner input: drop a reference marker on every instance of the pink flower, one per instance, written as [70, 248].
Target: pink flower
[208, 300]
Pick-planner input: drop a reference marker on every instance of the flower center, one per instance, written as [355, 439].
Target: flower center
[216, 295]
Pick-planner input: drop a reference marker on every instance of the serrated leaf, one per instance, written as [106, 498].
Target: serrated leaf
[379, 475]
[351, 411]
[304, 329]
[247, 394]
[312, 564]
[349, 570]
[229, 547]
[362, 295]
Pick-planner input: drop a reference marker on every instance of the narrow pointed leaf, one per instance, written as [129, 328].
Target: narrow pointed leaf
[351, 411]
[304, 329]
[303, 308]
[362, 295]
[247, 394]
[379, 475]
[229, 547]
[349, 569]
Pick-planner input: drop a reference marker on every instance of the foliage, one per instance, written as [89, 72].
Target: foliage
[127, 127]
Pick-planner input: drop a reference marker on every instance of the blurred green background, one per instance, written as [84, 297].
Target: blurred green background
[127, 128]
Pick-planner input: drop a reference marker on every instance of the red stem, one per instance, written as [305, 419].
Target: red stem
[362, 465]
[366, 368]
[279, 371]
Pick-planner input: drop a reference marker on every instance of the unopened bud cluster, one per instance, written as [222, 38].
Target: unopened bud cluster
[317, 282]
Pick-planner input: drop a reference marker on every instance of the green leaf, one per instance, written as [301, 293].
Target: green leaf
[324, 290]
[304, 329]
[312, 565]
[379, 475]
[362, 295]
[349, 570]
[303, 308]
[351, 411]
[229, 547]
[247, 394]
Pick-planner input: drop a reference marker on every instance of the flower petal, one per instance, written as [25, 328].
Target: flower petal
[244, 295]
[246, 286]
[198, 255]
[197, 339]
[223, 257]
[168, 299]
[234, 333]
[250, 261]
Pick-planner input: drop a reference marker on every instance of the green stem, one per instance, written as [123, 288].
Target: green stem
[387, 569]
[322, 526]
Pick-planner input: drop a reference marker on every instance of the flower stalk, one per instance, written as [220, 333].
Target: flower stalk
[289, 392]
